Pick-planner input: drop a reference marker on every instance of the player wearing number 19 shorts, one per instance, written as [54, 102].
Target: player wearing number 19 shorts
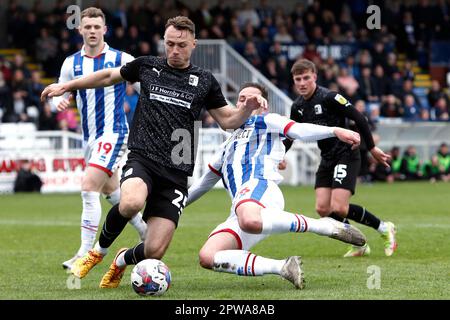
[103, 123]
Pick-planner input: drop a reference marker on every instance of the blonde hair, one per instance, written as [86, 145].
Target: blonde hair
[93, 12]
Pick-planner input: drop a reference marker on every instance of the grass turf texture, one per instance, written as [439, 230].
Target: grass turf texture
[38, 232]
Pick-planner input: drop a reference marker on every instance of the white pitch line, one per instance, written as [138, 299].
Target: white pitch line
[38, 223]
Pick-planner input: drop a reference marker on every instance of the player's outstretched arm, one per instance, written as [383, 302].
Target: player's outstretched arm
[101, 78]
[229, 117]
[311, 132]
[202, 185]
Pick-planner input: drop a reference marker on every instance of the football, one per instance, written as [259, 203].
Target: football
[150, 277]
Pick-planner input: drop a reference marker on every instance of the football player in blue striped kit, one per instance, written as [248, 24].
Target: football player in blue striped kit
[103, 125]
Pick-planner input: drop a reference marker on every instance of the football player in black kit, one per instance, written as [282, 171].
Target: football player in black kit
[340, 164]
[173, 94]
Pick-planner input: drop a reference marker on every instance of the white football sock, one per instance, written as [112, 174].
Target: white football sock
[382, 227]
[139, 225]
[90, 218]
[102, 251]
[136, 221]
[120, 260]
[113, 197]
[245, 263]
[279, 221]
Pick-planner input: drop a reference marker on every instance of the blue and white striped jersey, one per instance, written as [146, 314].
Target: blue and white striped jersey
[101, 109]
[253, 151]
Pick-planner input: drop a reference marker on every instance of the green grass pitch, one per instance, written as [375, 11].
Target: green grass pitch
[38, 232]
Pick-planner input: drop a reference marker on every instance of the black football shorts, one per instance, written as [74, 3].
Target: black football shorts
[339, 173]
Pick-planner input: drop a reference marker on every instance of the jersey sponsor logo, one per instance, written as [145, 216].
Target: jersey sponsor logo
[109, 64]
[172, 96]
[244, 134]
[341, 100]
[318, 109]
[157, 71]
[193, 80]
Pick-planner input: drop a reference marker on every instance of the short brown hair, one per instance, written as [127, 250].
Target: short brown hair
[92, 12]
[181, 23]
[302, 66]
[258, 86]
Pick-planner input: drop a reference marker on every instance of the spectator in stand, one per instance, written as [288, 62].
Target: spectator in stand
[396, 84]
[335, 35]
[311, 54]
[379, 56]
[379, 172]
[283, 35]
[391, 65]
[444, 159]
[19, 63]
[440, 111]
[406, 40]
[408, 89]
[26, 179]
[252, 55]
[5, 98]
[47, 118]
[411, 110]
[35, 89]
[424, 115]
[20, 93]
[133, 41]
[380, 83]
[248, 13]
[118, 40]
[435, 93]
[391, 108]
[364, 59]
[202, 16]
[411, 164]
[346, 81]
[408, 72]
[367, 86]
[396, 163]
[264, 10]
[352, 67]
[46, 52]
[67, 120]
[299, 32]
[433, 170]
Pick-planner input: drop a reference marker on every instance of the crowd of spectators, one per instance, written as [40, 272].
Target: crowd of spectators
[371, 75]
[408, 166]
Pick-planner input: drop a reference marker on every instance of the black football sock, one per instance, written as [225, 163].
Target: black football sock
[135, 255]
[112, 227]
[361, 215]
[337, 217]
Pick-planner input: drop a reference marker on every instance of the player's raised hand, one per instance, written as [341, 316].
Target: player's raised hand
[53, 90]
[380, 156]
[255, 102]
[64, 103]
[348, 136]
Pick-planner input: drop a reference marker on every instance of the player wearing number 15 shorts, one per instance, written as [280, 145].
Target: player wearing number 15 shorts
[103, 123]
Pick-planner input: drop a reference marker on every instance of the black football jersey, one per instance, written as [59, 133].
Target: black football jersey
[328, 108]
[170, 101]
